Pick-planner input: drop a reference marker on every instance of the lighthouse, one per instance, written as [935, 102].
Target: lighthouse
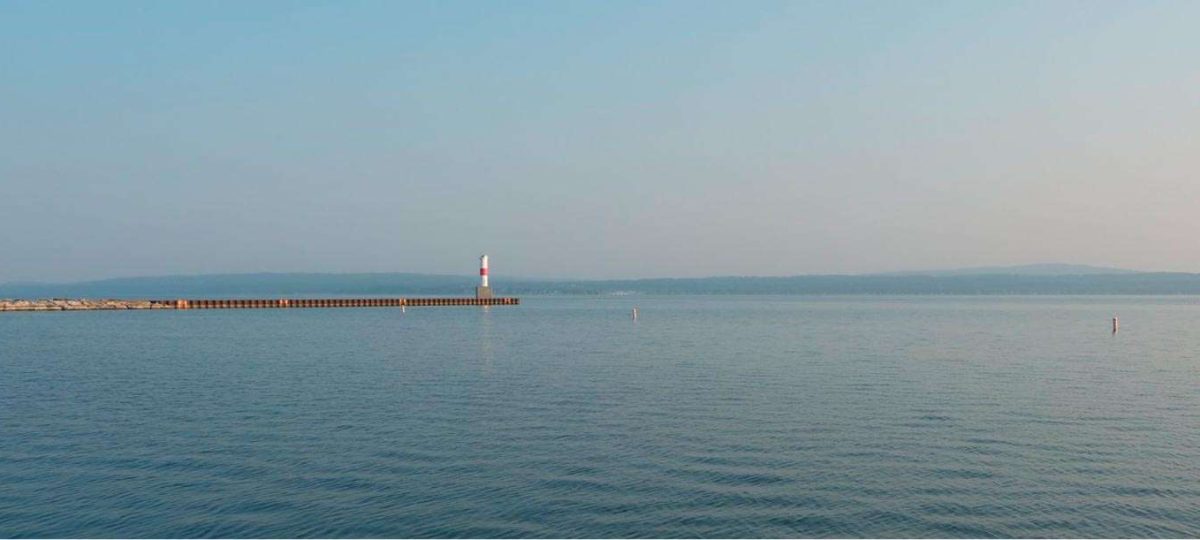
[483, 290]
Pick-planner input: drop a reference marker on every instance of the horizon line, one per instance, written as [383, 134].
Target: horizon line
[1089, 270]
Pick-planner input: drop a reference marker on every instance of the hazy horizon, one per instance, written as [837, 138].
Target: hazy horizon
[1042, 269]
[595, 140]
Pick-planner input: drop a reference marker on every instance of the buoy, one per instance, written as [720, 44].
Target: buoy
[1116, 324]
[635, 314]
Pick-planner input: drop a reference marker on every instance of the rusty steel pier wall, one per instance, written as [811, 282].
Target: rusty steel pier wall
[277, 303]
[61, 304]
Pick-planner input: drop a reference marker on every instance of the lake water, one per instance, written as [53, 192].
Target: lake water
[708, 417]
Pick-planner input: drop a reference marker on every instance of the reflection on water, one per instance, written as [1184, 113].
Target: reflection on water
[486, 350]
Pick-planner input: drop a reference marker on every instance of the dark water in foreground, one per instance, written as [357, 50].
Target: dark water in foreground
[709, 417]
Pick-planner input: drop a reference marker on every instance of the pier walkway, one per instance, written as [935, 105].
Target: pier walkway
[59, 304]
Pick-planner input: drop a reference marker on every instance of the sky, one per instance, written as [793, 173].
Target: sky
[596, 139]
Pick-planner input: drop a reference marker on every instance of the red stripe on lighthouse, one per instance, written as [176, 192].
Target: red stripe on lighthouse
[483, 271]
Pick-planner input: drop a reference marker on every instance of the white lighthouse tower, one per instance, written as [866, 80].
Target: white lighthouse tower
[483, 290]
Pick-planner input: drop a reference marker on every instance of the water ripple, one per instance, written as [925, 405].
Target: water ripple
[709, 417]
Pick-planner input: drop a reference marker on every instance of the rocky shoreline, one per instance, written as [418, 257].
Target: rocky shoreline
[63, 304]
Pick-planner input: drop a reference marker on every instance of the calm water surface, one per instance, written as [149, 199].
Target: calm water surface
[708, 417]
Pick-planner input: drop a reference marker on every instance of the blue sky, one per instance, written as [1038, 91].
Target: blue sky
[595, 139]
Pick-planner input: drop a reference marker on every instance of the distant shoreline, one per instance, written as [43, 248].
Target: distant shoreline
[292, 285]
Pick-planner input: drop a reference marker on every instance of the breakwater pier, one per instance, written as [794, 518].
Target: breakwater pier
[60, 304]
[483, 297]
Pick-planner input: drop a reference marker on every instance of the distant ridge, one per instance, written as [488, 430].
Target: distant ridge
[1052, 269]
[1035, 279]
[235, 285]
